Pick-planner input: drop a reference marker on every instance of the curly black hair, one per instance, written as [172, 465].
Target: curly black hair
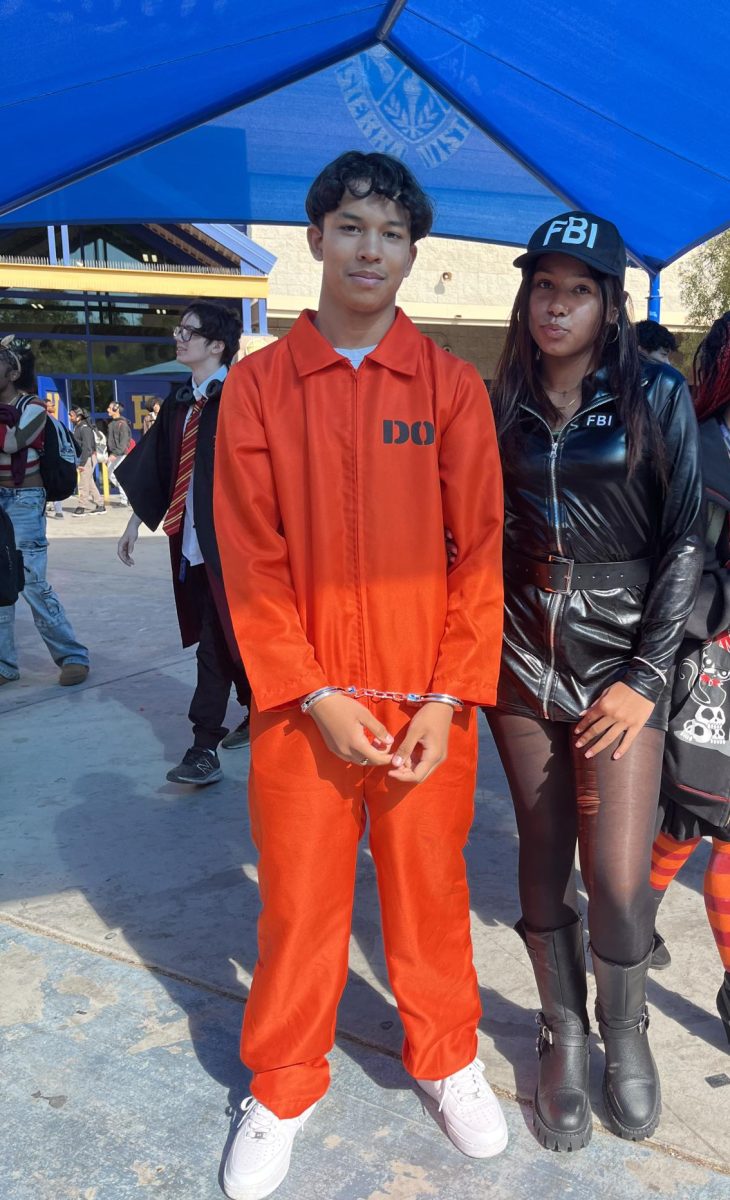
[365, 174]
[652, 336]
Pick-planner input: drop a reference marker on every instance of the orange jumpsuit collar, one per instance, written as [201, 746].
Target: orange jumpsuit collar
[399, 350]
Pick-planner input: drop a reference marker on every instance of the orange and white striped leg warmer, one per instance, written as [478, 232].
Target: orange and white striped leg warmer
[667, 857]
[717, 897]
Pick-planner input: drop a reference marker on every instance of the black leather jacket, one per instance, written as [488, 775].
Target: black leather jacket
[568, 493]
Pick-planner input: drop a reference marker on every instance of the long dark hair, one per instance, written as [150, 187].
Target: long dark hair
[615, 351]
[712, 369]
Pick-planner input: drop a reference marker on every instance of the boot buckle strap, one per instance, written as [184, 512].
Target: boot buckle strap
[644, 1021]
[545, 1033]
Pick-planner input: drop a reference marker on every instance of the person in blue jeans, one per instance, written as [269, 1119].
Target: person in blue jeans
[23, 498]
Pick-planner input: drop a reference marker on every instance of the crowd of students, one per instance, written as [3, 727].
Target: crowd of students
[340, 524]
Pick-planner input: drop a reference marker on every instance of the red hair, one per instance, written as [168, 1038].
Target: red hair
[712, 370]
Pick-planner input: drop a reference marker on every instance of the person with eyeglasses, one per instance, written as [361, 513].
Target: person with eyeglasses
[169, 481]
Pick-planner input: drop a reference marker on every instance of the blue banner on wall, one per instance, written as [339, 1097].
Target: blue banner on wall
[55, 390]
[136, 396]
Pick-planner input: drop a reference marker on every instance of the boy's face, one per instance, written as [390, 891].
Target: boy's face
[366, 252]
[198, 353]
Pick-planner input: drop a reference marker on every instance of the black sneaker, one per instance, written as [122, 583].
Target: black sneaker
[80, 512]
[660, 956]
[198, 767]
[238, 737]
[99, 508]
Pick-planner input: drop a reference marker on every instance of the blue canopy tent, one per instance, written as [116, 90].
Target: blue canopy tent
[208, 110]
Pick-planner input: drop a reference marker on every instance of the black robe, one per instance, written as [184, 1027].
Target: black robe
[148, 477]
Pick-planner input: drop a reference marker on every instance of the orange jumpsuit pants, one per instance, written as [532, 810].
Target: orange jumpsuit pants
[307, 814]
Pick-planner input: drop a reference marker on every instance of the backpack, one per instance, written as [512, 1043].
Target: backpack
[100, 442]
[58, 459]
[131, 443]
[12, 575]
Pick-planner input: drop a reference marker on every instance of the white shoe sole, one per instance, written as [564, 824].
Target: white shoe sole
[214, 776]
[472, 1151]
[253, 1191]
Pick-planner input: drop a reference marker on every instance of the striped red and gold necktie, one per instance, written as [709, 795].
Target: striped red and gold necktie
[173, 519]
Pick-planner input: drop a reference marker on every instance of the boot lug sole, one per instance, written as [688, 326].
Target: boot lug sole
[551, 1139]
[627, 1132]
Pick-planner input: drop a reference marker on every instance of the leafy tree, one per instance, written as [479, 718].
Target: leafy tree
[705, 281]
[705, 291]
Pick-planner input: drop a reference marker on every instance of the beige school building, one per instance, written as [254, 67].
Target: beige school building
[459, 293]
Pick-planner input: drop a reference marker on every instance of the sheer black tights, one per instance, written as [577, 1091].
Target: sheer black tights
[608, 808]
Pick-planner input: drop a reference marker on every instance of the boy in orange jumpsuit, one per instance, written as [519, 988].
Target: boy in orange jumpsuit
[343, 452]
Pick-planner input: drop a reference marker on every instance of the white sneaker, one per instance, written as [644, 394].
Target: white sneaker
[259, 1157]
[474, 1121]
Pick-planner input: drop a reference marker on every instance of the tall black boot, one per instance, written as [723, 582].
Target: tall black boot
[562, 1113]
[631, 1089]
[723, 1004]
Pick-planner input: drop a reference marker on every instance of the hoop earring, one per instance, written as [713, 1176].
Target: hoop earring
[610, 341]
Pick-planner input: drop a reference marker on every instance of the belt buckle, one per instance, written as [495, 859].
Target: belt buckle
[566, 583]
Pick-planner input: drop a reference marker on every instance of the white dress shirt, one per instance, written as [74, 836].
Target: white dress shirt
[190, 543]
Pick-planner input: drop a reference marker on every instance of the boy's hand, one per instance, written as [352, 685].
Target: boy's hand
[343, 723]
[126, 543]
[425, 745]
[619, 712]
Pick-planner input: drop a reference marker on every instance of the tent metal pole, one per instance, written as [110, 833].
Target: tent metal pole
[654, 306]
[390, 19]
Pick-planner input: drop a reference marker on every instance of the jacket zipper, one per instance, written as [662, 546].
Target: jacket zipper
[358, 549]
[555, 601]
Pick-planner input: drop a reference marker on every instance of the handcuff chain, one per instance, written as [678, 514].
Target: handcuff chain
[356, 693]
[375, 694]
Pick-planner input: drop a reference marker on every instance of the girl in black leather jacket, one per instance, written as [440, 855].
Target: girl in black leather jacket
[603, 554]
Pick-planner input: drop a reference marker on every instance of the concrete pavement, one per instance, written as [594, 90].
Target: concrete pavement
[127, 939]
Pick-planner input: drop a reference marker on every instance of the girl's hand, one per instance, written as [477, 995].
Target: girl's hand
[619, 712]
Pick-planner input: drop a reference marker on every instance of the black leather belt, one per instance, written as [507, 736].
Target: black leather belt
[557, 574]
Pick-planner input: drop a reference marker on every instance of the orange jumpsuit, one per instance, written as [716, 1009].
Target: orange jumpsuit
[332, 491]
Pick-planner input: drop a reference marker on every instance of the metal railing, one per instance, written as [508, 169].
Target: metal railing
[27, 260]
